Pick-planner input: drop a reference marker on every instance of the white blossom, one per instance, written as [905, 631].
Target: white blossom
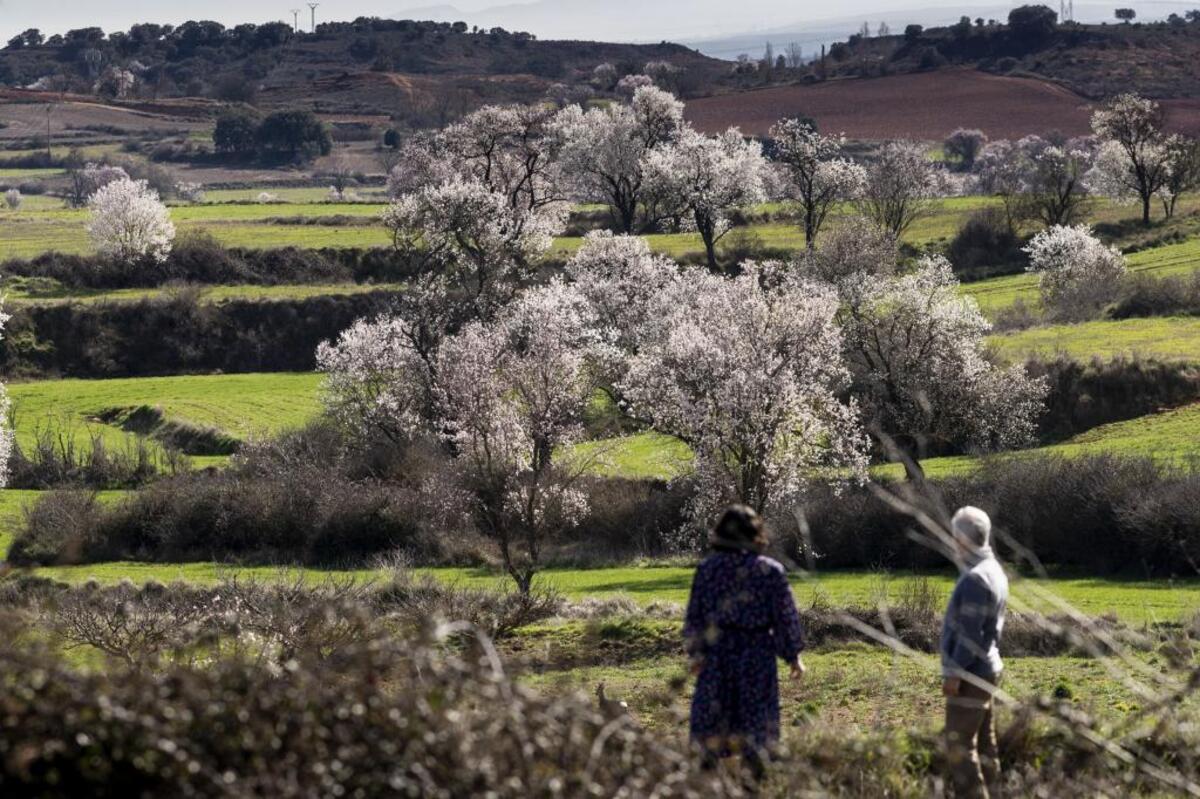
[915, 347]
[747, 370]
[1078, 273]
[818, 174]
[13, 199]
[475, 235]
[1134, 160]
[901, 186]
[605, 147]
[128, 221]
[377, 378]
[705, 178]
[511, 399]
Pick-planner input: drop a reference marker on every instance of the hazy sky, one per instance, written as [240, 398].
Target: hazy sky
[643, 20]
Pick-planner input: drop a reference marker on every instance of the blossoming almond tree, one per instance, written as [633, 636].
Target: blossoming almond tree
[915, 347]
[747, 370]
[474, 237]
[511, 398]
[704, 178]
[506, 398]
[1134, 160]
[1078, 274]
[1183, 162]
[378, 378]
[818, 174]
[901, 186]
[1055, 178]
[605, 148]
[128, 221]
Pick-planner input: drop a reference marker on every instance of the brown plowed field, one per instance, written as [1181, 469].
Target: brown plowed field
[925, 106]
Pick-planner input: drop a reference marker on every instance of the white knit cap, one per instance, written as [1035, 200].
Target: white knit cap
[972, 526]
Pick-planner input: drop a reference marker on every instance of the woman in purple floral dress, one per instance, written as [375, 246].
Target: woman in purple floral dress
[741, 617]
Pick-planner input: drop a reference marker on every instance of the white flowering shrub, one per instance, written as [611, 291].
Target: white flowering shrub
[1078, 274]
[702, 179]
[915, 347]
[13, 199]
[127, 221]
[818, 174]
[266, 198]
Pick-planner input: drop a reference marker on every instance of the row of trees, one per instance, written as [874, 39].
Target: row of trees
[653, 170]
[1129, 157]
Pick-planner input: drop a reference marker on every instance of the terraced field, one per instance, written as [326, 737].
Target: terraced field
[240, 406]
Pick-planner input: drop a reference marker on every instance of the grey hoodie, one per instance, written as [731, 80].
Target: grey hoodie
[974, 619]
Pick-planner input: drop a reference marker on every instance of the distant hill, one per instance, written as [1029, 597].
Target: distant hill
[369, 66]
[1160, 60]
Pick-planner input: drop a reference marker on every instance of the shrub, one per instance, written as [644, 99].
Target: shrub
[12, 198]
[177, 334]
[1076, 513]
[1143, 295]
[986, 246]
[1078, 274]
[61, 456]
[1087, 395]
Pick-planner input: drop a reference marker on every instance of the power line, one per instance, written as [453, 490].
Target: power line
[295, 20]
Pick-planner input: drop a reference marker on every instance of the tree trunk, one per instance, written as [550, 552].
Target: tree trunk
[810, 230]
[1146, 209]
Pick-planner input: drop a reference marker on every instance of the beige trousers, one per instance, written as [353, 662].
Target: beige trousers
[971, 755]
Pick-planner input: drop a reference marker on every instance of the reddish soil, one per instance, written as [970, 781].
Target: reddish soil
[923, 106]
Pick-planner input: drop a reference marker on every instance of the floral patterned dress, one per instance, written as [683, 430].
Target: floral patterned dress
[741, 617]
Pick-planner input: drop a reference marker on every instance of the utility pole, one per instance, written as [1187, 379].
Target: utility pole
[295, 20]
[313, 8]
[49, 108]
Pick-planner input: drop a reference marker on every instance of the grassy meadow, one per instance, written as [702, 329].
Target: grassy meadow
[239, 405]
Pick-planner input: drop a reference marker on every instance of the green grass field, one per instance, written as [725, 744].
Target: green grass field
[242, 405]
[1135, 601]
[1164, 338]
[33, 231]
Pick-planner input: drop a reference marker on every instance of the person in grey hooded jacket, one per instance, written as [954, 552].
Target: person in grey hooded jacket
[971, 662]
